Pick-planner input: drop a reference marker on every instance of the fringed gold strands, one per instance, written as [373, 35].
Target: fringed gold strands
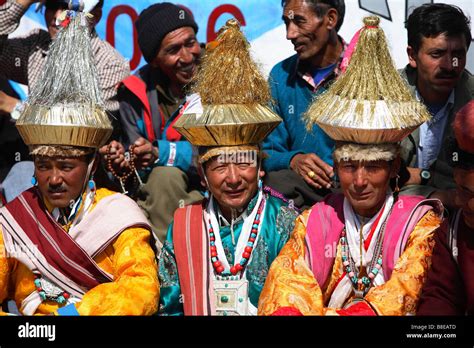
[228, 75]
[230, 104]
[370, 103]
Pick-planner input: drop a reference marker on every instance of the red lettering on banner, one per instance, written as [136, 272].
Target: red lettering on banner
[110, 31]
[218, 11]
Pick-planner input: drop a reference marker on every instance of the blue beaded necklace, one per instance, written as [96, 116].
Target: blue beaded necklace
[363, 283]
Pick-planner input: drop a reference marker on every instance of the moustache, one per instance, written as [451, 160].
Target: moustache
[447, 75]
[58, 189]
[188, 67]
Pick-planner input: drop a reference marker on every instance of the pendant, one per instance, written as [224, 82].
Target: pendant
[140, 182]
[358, 297]
[51, 290]
[231, 295]
[362, 274]
[124, 191]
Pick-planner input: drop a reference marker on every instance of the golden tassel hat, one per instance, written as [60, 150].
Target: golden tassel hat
[370, 103]
[65, 109]
[231, 101]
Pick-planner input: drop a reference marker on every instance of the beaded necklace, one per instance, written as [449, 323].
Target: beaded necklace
[217, 265]
[131, 170]
[54, 293]
[363, 283]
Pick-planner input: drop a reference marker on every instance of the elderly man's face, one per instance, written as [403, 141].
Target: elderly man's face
[439, 63]
[233, 183]
[365, 184]
[61, 179]
[464, 179]
[178, 55]
[308, 33]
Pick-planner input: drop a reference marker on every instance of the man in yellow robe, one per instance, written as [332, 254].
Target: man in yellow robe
[365, 251]
[66, 247]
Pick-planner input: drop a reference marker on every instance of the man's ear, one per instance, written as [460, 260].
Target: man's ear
[154, 62]
[411, 57]
[332, 18]
[200, 170]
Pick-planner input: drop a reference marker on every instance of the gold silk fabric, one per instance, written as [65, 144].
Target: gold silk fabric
[130, 259]
[291, 283]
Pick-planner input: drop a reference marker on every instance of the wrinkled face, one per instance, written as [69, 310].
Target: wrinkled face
[61, 179]
[464, 179]
[365, 184]
[178, 55]
[53, 11]
[308, 33]
[233, 183]
[439, 62]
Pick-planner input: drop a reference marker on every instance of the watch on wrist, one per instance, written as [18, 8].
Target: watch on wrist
[425, 176]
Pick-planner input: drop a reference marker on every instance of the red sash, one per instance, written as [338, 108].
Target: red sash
[191, 258]
[27, 222]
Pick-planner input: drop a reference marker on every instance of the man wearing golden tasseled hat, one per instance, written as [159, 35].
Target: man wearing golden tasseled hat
[365, 251]
[218, 251]
[67, 247]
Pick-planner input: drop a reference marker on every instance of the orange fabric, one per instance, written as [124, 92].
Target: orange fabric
[131, 261]
[291, 283]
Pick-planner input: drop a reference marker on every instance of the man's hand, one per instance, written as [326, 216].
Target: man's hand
[415, 177]
[117, 156]
[146, 153]
[320, 173]
[7, 103]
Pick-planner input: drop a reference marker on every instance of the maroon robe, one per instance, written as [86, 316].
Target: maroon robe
[449, 288]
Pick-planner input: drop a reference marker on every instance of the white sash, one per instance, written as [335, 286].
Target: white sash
[211, 214]
[344, 288]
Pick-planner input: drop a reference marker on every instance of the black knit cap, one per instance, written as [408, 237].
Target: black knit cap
[158, 20]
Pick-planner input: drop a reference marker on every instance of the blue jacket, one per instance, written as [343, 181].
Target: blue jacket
[292, 96]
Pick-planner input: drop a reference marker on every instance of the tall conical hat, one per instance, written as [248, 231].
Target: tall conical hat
[370, 103]
[231, 104]
[65, 108]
